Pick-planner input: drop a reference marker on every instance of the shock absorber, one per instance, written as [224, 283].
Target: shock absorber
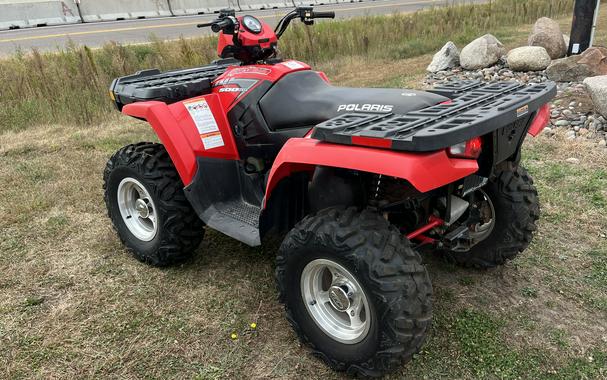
[376, 188]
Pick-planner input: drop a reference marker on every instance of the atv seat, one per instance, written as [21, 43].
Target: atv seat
[304, 99]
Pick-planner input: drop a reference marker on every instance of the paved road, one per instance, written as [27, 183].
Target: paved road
[138, 31]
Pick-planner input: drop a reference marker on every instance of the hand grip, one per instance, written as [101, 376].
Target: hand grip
[330, 14]
[219, 25]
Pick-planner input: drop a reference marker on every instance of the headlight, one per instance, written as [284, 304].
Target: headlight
[252, 24]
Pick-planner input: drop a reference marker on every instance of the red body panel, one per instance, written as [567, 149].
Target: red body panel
[256, 74]
[178, 133]
[224, 40]
[425, 171]
[265, 39]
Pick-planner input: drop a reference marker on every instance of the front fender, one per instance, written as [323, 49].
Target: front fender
[425, 171]
[171, 136]
[179, 135]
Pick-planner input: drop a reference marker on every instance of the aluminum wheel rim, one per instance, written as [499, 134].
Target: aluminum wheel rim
[325, 286]
[137, 209]
[482, 231]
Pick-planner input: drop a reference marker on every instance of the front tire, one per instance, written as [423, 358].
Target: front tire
[354, 290]
[516, 210]
[148, 208]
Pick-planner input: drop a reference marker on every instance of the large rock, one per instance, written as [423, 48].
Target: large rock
[597, 88]
[591, 63]
[528, 58]
[483, 52]
[446, 58]
[547, 34]
[567, 39]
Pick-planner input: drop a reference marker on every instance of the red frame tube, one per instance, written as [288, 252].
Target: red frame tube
[433, 222]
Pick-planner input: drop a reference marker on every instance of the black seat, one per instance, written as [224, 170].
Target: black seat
[304, 99]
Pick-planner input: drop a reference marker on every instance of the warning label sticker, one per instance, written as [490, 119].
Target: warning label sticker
[205, 122]
[212, 140]
[293, 65]
[522, 111]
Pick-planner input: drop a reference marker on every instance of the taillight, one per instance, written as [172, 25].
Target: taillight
[542, 118]
[467, 149]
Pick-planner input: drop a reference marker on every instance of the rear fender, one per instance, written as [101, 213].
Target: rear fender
[425, 171]
[179, 134]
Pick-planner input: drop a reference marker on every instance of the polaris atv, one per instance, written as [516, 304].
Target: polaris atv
[357, 179]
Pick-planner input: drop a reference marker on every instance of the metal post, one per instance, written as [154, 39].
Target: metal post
[596, 16]
[584, 23]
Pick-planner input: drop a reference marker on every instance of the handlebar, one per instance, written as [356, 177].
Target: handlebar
[225, 21]
[217, 25]
[229, 24]
[221, 24]
[323, 14]
[204, 25]
[305, 14]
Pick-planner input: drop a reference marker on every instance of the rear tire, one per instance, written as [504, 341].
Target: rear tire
[171, 230]
[385, 269]
[517, 210]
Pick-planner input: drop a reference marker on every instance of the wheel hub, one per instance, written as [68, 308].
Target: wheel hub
[480, 231]
[335, 301]
[142, 208]
[339, 298]
[137, 209]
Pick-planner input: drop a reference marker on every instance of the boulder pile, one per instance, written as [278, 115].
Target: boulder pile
[597, 88]
[483, 52]
[528, 58]
[547, 34]
[591, 63]
[581, 104]
[445, 58]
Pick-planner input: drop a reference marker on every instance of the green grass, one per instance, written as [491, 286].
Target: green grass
[70, 86]
[76, 305]
[479, 336]
[598, 274]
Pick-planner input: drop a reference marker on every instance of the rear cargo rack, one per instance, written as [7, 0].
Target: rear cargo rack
[168, 87]
[475, 110]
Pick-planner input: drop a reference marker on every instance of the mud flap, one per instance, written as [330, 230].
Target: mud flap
[227, 199]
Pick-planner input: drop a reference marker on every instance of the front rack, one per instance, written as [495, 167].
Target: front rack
[168, 87]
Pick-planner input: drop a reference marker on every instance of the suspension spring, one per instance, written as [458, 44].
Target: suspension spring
[377, 186]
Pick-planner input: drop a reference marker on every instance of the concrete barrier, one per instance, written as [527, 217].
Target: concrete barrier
[322, 2]
[15, 14]
[111, 10]
[265, 4]
[201, 7]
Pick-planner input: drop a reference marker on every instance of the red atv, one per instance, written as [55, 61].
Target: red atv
[358, 179]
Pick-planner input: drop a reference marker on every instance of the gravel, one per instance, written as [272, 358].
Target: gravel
[571, 110]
